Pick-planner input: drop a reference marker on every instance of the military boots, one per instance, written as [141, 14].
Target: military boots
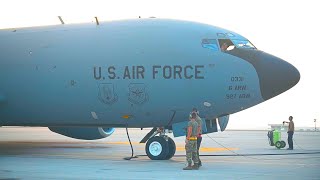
[189, 167]
[195, 166]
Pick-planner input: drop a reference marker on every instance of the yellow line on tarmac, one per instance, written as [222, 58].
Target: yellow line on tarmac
[180, 148]
[119, 142]
[209, 149]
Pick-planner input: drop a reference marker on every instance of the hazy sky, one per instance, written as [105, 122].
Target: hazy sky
[287, 29]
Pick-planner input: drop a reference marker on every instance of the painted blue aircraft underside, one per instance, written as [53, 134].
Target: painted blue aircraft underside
[49, 76]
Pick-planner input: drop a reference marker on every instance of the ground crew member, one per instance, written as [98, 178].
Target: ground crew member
[191, 143]
[199, 137]
[290, 132]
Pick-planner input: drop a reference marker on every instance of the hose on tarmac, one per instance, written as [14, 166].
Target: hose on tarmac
[129, 158]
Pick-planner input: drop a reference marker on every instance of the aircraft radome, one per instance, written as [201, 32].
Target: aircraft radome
[84, 80]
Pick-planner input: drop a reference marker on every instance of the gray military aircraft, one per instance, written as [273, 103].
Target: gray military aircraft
[84, 80]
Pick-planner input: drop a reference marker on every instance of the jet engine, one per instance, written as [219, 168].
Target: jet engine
[84, 133]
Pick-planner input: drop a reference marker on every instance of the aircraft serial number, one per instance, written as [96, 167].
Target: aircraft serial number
[239, 96]
[237, 79]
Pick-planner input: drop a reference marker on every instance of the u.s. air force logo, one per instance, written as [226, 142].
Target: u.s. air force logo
[107, 95]
[137, 93]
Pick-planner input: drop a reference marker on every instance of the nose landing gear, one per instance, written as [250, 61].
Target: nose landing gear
[159, 147]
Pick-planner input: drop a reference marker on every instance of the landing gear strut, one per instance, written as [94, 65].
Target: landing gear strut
[160, 147]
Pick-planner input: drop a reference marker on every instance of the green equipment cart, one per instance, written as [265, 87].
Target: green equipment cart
[274, 137]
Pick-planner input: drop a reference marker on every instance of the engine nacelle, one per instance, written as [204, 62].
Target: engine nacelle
[86, 133]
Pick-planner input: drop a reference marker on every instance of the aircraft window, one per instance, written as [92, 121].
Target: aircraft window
[226, 45]
[243, 44]
[221, 35]
[230, 34]
[210, 44]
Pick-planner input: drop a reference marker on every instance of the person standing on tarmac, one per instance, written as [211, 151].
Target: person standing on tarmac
[191, 143]
[199, 137]
[290, 132]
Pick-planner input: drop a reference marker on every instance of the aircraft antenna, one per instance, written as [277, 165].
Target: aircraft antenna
[61, 19]
[97, 21]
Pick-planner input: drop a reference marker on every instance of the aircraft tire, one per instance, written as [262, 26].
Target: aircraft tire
[171, 148]
[157, 148]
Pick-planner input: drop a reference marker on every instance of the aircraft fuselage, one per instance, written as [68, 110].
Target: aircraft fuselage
[141, 72]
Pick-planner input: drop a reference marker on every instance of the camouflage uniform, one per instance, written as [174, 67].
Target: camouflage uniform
[199, 137]
[191, 145]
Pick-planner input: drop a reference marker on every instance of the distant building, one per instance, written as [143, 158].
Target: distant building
[279, 127]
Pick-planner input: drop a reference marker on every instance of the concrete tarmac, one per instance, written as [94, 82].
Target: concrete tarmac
[38, 153]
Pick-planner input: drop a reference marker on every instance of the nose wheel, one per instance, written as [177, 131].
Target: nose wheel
[160, 148]
[172, 148]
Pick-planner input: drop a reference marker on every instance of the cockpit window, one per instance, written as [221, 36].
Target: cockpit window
[230, 34]
[243, 44]
[221, 35]
[210, 44]
[226, 45]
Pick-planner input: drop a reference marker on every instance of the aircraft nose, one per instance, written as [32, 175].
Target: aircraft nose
[275, 75]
